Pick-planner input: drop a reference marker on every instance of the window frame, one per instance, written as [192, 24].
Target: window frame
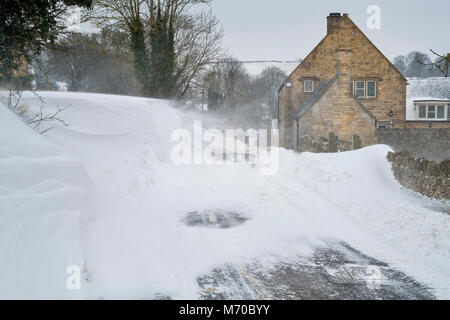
[432, 111]
[429, 112]
[355, 93]
[354, 87]
[421, 106]
[312, 86]
[437, 112]
[367, 89]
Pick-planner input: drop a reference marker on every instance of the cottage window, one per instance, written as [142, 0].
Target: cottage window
[432, 112]
[441, 112]
[360, 89]
[422, 112]
[364, 89]
[371, 89]
[308, 86]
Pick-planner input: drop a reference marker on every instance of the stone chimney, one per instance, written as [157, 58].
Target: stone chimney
[344, 68]
[334, 22]
[344, 61]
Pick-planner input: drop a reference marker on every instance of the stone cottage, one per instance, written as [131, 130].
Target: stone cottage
[345, 86]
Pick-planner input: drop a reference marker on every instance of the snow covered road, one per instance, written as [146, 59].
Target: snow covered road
[132, 203]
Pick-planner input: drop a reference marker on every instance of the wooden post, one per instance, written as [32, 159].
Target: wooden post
[269, 132]
[332, 143]
[203, 99]
[357, 143]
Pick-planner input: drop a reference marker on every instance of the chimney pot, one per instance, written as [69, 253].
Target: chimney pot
[333, 22]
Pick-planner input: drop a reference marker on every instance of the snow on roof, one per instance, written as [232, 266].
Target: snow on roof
[435, 87]
[255, 68]
[425, 89]
[430, 100]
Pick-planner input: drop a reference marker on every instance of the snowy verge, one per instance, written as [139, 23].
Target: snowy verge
[133, 235]
[393, 224]
[42, 194]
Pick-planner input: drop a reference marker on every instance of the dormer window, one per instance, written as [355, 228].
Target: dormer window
[308, 86]
[428, 111]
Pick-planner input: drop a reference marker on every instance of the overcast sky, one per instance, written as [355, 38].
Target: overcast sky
[290, 29]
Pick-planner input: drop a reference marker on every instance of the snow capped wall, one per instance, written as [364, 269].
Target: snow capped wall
[42, 194]
[427, 177]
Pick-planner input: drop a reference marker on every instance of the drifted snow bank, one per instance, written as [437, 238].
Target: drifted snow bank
[132, 232]
[42, 193]
[392, 224]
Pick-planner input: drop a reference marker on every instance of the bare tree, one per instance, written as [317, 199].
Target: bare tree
[441, 63]
[198, 44]
[34, 119]
[128, 16]
[265, 87]
[39, 118]
[230, 83]
[171, 44]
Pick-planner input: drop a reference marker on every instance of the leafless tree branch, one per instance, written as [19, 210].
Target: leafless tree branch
[441, 63]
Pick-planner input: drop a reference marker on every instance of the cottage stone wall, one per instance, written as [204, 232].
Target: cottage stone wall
[313, 144]
[321, 145]
[431, 144]
[367, 63]
[338, 112]
[427, 177]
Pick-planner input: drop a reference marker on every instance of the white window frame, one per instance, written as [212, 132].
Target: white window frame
[356, 89]
[419, 106]
[445, 113]
[312, 86]
[367, 89]
[427, 111]
[365, 96]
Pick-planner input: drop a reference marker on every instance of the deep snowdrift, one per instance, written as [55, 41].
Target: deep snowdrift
[133, 237]
[42, 194]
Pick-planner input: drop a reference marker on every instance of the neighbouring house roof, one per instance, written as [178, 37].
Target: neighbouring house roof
[437, 87]
[432, 100]
[257, 67]
[425, 89]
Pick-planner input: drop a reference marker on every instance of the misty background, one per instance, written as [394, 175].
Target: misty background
[227, 57]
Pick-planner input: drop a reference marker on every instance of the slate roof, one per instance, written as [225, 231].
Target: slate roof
[318, 93]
